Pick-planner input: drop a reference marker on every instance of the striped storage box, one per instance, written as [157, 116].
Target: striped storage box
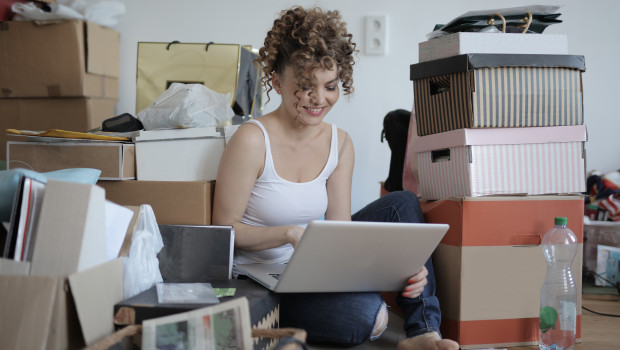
[496, 91]
[501, 161]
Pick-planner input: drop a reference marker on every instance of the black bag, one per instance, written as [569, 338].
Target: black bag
[522, 19]
[122, 123]
[395, 129]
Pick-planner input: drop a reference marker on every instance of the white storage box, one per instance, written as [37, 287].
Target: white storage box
[179, 154]
[501, 161]
[510, 43]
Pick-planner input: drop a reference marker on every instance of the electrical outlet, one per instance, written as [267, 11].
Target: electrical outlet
[376, 35]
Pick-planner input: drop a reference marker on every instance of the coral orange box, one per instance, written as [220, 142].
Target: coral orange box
[490, 266]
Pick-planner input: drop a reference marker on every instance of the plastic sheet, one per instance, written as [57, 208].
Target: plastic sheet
[104, 13]
[186, 106]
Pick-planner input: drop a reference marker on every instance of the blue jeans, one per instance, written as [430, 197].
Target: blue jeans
[348, 318]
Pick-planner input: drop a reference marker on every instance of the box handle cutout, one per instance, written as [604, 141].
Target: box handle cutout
[440, 86]
[440, 155]
[525, 240]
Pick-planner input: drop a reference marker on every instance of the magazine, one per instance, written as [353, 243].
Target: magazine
[222, 326]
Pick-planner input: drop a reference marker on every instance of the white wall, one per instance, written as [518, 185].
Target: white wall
[382, 82]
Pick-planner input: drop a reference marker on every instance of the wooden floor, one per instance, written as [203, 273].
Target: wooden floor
[598, 332]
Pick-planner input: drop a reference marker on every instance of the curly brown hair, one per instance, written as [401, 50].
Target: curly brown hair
[308, 39]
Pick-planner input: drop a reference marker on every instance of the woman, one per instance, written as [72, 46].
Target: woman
[289, 167]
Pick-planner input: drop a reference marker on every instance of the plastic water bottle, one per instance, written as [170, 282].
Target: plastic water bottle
[558, 295]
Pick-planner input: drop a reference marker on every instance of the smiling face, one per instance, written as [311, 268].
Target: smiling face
[307, 106]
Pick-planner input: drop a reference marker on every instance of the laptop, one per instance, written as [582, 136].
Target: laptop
[351, 256]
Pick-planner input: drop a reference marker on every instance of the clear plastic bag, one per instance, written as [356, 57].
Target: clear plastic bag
[104, 13]
[141, 267]
[186, 106]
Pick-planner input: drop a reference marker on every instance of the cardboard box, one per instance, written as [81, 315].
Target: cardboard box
[490, 267]
[173, 202]
[500, 161]
[179, 154]
[264, 307]
[595, 233]
[64, 297]
[116, 160]
[60, 312]
[74, 114]
[493, 43]
[497, 90]
[58, 59]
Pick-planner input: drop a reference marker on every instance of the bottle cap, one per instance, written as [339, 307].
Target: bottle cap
[560, 220]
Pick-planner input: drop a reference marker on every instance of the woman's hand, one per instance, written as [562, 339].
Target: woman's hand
[416, 284]
[293, 234]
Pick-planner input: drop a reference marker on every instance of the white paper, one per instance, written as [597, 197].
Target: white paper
[186, 293]
[117, 219]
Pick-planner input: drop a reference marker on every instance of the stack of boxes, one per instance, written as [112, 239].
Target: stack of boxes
[64, 75]
[500, 153]
[60, 75]
[175, 174]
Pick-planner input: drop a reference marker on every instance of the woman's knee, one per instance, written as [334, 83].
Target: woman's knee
[381, 322]
[407, 206]
[347, 319]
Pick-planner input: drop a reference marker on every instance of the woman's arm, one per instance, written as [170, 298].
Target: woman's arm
[241, 164]
[339, 183]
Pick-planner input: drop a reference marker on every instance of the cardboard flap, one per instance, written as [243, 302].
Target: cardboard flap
[102, 45]
[26, 307]
[132, 227]
[95, 307]
[71, 230]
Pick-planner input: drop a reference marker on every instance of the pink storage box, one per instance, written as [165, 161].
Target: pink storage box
[501, 161]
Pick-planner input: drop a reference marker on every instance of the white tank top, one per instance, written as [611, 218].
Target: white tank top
[275, 201]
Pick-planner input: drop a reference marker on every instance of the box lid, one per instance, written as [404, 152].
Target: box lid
[499, 136]
[467, 62]
[174, 134]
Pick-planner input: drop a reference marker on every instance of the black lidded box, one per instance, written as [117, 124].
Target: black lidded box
[497, 90]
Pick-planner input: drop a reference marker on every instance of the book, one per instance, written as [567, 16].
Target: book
[24, 218]
[196, 253]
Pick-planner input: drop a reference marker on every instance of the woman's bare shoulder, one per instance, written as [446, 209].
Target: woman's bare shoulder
[343, 138]
[248, 135]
